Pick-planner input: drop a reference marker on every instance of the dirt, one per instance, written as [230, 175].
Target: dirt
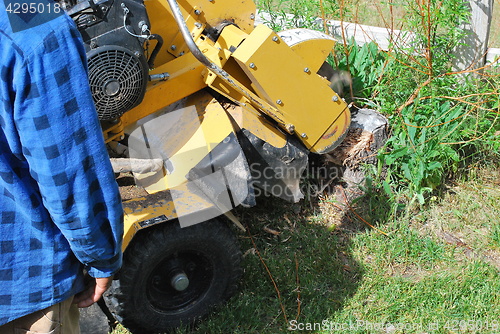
[128, 188]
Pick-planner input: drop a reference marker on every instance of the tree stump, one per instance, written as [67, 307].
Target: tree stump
[368, 133]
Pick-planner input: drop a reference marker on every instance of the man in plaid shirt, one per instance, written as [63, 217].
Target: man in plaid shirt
[60, 210]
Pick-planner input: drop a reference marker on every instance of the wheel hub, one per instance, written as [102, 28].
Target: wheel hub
[180, 281]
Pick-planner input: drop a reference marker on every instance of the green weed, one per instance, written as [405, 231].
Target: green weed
[440, 120]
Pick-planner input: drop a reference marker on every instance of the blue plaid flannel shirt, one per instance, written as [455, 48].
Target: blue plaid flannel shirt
[60, 208]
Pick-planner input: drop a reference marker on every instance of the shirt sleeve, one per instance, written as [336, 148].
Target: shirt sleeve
[62, 141]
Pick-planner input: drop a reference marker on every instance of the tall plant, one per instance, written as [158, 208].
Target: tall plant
[288, 14]
[438, 117]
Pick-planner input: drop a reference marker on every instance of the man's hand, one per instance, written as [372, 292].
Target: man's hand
[94, 291]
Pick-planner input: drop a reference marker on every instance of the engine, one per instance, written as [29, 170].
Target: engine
[114, 33]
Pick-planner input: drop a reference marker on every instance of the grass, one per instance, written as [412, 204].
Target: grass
[436, 270]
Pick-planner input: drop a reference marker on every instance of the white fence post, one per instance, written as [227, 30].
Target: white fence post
[472, 54]
[383, 36]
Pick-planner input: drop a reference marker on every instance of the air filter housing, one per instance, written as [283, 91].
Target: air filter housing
[117, 80]
[113, 33]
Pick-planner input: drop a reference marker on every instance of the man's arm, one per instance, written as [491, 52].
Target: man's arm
[62, 141]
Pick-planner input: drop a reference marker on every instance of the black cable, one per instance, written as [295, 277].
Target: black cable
[159, 44]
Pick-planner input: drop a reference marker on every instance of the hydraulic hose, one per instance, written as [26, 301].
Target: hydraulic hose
[159, 44]
[186, 34]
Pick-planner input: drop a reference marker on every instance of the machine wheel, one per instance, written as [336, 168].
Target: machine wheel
[173, 276]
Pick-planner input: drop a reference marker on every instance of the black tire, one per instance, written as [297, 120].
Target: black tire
[143, 298]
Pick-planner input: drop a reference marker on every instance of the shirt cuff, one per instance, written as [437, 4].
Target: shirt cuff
[105, 268]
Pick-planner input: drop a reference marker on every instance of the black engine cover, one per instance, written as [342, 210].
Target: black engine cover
[113, 38]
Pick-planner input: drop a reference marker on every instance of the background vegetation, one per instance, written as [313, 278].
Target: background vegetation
[420, 252]
[441, 120]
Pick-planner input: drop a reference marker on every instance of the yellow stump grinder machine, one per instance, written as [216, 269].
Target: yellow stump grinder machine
[206, 110]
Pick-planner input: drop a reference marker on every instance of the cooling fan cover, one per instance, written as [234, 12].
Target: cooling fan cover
[117, 78]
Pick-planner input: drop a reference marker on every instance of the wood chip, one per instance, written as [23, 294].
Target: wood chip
[271, 231]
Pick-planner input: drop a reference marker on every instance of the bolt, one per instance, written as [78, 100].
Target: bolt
[197, 11]
[190, 266]
[304, 135]
[251, 65]
[279, 102]
[143, 26]
[307, 70]
[290, 128]
[156, 280]
[275, 39]
[335, 98]
[252, 16]
[198, 25]
[173, 47]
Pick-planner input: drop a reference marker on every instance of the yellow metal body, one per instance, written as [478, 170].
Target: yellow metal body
[281, 78]
[307, 103]
[203, 124]
[200, 124]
